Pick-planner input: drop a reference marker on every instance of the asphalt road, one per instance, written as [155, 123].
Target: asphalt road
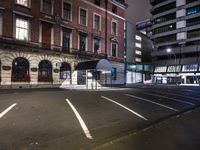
[67, 120]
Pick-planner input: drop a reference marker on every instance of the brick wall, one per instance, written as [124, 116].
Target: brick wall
[37, 16]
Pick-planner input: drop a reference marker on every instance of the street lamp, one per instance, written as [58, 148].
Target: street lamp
[169, 50]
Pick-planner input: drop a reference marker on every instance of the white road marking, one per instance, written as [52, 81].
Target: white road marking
[186, 90]
[173, 99]
[143, 99]
[194, 98]
[82, 123]
[135, 113]
[7, 110]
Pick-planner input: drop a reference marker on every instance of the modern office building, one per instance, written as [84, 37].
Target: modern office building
[176, 37]
[51, 42]
[138, 52]
[139, 48]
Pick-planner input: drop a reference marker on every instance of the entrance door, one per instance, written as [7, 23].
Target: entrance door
[81, 77]
[46, 35]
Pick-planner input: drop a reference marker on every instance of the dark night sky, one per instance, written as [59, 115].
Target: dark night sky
[138, 10]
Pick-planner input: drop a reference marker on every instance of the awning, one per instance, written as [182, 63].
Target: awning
[99, 65]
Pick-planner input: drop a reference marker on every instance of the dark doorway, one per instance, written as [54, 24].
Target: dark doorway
[20, 70]
[45, 71]
[65, 71]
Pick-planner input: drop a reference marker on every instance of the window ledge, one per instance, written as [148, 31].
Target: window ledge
[20, 5]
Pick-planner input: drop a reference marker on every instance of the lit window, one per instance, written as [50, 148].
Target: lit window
[66, 11]
[143, 32]
[114, 49]
[114, 28]
[138, 59]
[193, 10]
[23, 2]
[97, 22]
[47, 6]
[138, 52]
[22, 29]
[83, 17]
[190, 68]
[138, 45]
[139, 38]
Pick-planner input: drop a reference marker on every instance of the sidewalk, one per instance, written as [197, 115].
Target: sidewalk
[178, 133]
[136, 85]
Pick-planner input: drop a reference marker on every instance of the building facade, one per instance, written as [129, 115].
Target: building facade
[139, 48]
[176, 36]
[42, 42]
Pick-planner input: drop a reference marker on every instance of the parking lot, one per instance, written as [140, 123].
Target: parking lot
[72, 119]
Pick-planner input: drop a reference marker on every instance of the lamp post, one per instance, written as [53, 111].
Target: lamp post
[169, 51]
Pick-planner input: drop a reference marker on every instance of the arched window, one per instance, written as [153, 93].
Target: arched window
[65, 71]
[45, 71]
[20, 70]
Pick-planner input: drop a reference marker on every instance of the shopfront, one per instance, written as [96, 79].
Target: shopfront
[179, 74]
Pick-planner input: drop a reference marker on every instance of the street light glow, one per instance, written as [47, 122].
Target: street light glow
[169, 50]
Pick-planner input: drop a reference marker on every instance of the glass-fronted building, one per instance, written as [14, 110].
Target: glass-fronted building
[176, 36]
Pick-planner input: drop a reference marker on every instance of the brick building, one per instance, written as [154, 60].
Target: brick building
[44, 42]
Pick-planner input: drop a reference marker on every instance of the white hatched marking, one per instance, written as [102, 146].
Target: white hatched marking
[194, 98]
[7, 110]
[173, 99]
[143, 99]
[82, 123]
[135, 113]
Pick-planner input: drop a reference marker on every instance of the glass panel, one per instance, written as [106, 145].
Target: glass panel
[83, 15]
[193, 10]
[114, 49]
[97, 22]
[138, 59]
[138, 45]
[114, 73]
[22, 29]
[66, 41]
[67, 11]
[139, 38]
[114, 28]
[82, 43]
[23, 2]
[96, 45]
[47, 6]
[138, 52]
